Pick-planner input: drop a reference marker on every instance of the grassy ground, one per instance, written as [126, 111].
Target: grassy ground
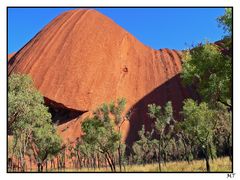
[218, 165]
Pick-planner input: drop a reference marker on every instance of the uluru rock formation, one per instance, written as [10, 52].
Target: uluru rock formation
[10, 56]
[82, 59]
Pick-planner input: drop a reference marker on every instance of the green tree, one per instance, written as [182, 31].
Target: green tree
[210, 71]
[223, 131]
[143, 148]
[162, 118]
[226, 21]
[10, 154]
[199, 123]
[186, 141]
[100, 131]
[45, 142]
[22, 101]
[29, 120]
[208, 67]
[116, 110]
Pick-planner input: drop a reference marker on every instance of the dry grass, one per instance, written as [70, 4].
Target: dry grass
[218, 165]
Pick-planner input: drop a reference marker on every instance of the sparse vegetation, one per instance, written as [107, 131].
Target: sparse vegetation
[200, 141]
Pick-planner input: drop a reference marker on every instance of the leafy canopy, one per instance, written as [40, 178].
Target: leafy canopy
[210, 71]
[29, 119]
[199, 121]
[162, 116]
[99, 131]
[226, 21]
[208, 67]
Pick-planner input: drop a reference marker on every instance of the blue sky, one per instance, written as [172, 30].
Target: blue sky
[176, 28]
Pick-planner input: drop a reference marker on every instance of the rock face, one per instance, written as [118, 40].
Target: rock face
[10, 55]
[82, 59]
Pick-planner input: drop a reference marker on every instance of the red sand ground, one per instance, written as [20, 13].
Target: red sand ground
[82, 59]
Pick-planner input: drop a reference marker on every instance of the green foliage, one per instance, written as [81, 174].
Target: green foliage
[117, 109]
[198, 121]
[46, 142]
[143, 148]
[29, 121]
[162, 116]
[208, 67]
[226, 20]
[23, 102]
[100, 131]
[210, 71]
[223, 130]
[100, 134]
[199, 124]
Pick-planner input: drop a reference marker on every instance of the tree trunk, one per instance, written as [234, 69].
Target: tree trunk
[30, 164]
[83, 162]
[186, 151]
[230, 149]
[39, 167]
[230, 154]
[207, 164]
[159, 155]
[57, 163]
[22, 163]
[109, 162]
[120, 157]
[98, 161]
[46, 165]
[113, 163]
[207, 159]
[51, 164]
[79, 161]
[94, 162]
[64, 161]
[106, 162]
[18, 164]
[87, 163]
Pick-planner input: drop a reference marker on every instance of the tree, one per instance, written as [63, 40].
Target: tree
[223, 131]
[210, 71]
[45, 142]
[117, 110]
[226, 21]
[143, 148]
[185, 140]
[162, 119]
[199, 123]
[208, 67]
[29, 120]
[10, 154]
[100, 130]
[22, 101]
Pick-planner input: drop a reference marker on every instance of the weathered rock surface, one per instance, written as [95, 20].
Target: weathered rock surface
[82, 59]
[10, 56]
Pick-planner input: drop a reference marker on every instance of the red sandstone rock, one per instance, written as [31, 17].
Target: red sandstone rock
[82, 59]
[10, 55]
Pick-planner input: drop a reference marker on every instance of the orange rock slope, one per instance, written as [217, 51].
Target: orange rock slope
[10, 55]
[82, 59]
